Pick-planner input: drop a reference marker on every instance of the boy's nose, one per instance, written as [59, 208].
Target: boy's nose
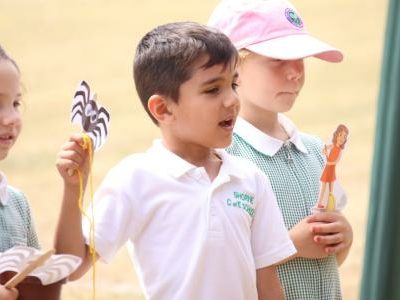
[295, 69]
[232, 99]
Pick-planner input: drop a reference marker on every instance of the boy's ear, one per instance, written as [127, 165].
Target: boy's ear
[159, 107]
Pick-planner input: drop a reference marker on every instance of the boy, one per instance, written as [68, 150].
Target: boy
[199, 222]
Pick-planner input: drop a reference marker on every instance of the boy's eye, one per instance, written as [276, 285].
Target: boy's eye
[213, 90]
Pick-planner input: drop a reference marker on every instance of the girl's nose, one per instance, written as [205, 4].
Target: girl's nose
[295, 69]
[10, 116]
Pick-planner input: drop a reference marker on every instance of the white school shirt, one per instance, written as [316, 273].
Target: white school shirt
[190, 238]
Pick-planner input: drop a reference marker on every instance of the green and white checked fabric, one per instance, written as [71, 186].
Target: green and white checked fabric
[16, 226]
[294, 177]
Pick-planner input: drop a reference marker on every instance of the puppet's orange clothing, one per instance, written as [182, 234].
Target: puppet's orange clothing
[329, 175]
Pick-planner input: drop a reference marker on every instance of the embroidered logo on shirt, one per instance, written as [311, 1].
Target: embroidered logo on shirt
[243, 201]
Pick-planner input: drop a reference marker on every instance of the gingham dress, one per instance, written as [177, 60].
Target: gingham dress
[16, 226]
[294, 177]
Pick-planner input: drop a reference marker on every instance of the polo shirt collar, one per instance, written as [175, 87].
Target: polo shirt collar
[3, 189]
[267, 144]
[177, 166]
[229, 166]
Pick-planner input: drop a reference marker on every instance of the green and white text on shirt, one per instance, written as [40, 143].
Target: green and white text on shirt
[243, 201]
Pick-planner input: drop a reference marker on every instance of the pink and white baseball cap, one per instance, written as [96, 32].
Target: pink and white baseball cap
[271, 28]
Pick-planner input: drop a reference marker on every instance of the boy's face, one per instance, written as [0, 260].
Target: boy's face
[10, 100]
[206, 110]
[268, 84]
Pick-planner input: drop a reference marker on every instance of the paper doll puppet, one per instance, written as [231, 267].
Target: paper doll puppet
[326, 199]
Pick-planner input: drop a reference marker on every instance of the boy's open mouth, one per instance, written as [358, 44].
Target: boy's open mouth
[226, 123]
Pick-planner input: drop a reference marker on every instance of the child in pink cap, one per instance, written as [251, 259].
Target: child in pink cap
[272, 43]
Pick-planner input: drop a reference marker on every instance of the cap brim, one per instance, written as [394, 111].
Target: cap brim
[296, 47]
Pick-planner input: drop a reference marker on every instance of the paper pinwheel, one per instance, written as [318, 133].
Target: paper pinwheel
[86, 112]
[51, 269]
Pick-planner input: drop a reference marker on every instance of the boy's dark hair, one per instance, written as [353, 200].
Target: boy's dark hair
[5, 56]
[165, 56]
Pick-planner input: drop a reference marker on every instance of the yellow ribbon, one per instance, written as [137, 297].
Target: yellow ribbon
[87, 145]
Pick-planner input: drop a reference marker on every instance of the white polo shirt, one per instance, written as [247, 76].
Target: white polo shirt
[190, 238]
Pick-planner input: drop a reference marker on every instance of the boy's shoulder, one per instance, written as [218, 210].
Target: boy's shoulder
[132, 163]
[148, 164]
[132, 172]
[154, 161]
[245, 168]
[240, 162]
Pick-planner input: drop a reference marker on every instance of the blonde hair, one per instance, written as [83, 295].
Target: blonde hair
[243, 54]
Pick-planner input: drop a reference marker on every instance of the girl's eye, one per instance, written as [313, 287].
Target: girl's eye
[276, 61]
[17, 103]
[234, 86]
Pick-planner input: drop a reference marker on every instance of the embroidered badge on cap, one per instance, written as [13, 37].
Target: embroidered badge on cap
[293, 18]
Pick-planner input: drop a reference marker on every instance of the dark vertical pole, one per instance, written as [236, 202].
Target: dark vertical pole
[381, 274]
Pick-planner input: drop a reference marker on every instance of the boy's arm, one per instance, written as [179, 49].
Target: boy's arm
[69, 235]
[268, 284]
[271, 243]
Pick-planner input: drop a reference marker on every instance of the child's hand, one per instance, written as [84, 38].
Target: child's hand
[8, 294]
[71, 158]
[332, 230]
[303, 239]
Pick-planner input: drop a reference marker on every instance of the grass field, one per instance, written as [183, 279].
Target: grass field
[58, 43]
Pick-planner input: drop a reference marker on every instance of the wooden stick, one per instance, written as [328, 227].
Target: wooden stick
[29, 269]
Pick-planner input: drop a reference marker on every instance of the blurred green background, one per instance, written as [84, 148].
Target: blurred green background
[58, 43]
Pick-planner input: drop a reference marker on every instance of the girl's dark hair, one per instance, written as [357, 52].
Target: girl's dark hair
[5, 56]
[166, 55]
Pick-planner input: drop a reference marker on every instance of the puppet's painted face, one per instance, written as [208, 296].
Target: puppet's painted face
[341, 137]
